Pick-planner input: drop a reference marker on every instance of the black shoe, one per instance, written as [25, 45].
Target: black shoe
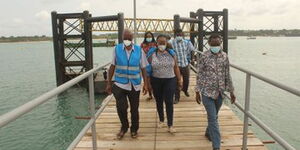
[187, 94]
[208, 137]
[121, 134]
[216, 149]
[134, 135]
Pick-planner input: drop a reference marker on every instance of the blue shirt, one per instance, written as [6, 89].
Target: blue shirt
[183, 51]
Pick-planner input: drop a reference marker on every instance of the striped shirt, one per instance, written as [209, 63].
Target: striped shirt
[183, 51]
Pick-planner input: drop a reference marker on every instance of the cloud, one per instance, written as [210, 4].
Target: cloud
[243, 14]
[18, 21]
[155, 2]
[258, 11]
[85, 5]
[281, 9]
[42, 15]
[237, 12]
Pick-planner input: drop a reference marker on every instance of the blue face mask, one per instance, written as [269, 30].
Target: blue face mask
[215, 49]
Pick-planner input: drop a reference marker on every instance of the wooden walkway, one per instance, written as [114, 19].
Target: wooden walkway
[189, 120]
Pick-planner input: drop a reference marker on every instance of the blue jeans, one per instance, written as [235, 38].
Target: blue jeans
[212, 107]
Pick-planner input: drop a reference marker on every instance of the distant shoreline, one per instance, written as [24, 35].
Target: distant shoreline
[26, 41]
[238, 33]
[50, 40]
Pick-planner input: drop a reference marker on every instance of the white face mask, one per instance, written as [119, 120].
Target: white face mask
[149, 39]
[127, 43]
[161, 47]
[179, 38]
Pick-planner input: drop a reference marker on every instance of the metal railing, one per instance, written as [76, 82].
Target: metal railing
[246, 109]
[29, 106]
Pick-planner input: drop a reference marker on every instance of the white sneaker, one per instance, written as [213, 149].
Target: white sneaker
[160, 124]
[171, 129]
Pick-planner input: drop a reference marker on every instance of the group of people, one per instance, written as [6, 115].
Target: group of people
[164, 65]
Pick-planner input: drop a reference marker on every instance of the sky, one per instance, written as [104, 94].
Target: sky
[33, 17]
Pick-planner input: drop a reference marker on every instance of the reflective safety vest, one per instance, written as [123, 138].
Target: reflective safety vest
[128, 69]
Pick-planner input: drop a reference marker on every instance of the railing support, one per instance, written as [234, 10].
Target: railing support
[92, 110]
[247, 107]
[120, 27]
[176, 23]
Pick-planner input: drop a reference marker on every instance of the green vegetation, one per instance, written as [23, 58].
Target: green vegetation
[275, 33]
[102, 44]
[284, 32]
[24, 38]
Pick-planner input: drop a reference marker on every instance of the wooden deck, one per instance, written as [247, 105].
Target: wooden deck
[189, 120]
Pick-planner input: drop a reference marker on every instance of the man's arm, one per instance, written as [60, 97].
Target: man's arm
[145, 78]
[111, 72]
[143, 64]
[177, 72]
[109, 83]
[198, 79]
[191, 46]
[200, 71]
[228, 81]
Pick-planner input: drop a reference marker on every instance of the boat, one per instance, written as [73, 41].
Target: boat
[251, 38]
[232, 37]
[108, 43]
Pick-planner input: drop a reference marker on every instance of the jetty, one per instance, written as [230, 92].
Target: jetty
[190, 121]
[74, 65]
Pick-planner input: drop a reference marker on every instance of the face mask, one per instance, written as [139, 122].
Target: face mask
[161, 47]
[179, 38]
[127, 43]
[149, 39]
[215, 49]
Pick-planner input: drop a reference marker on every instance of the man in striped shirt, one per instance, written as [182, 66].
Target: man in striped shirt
[183, 49]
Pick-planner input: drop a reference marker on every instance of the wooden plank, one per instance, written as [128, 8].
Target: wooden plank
[190, 121]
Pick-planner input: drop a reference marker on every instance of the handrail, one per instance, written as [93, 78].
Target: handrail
[246, 109]
[267, 80]
[29, 106]
[260, 77]
[89, 124]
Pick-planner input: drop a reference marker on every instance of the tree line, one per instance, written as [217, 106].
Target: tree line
[235, 32]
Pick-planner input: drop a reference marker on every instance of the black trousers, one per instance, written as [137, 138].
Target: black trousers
[185, 73]
[122, 96]
[163, 91]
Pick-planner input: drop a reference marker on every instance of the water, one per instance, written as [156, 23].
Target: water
[277, 108]
[27, 70]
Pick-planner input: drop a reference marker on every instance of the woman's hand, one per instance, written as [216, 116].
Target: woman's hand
[145, 89]
[179, 84]
[232, 97]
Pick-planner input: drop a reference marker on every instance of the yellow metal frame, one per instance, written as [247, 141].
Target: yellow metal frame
[143, 25]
